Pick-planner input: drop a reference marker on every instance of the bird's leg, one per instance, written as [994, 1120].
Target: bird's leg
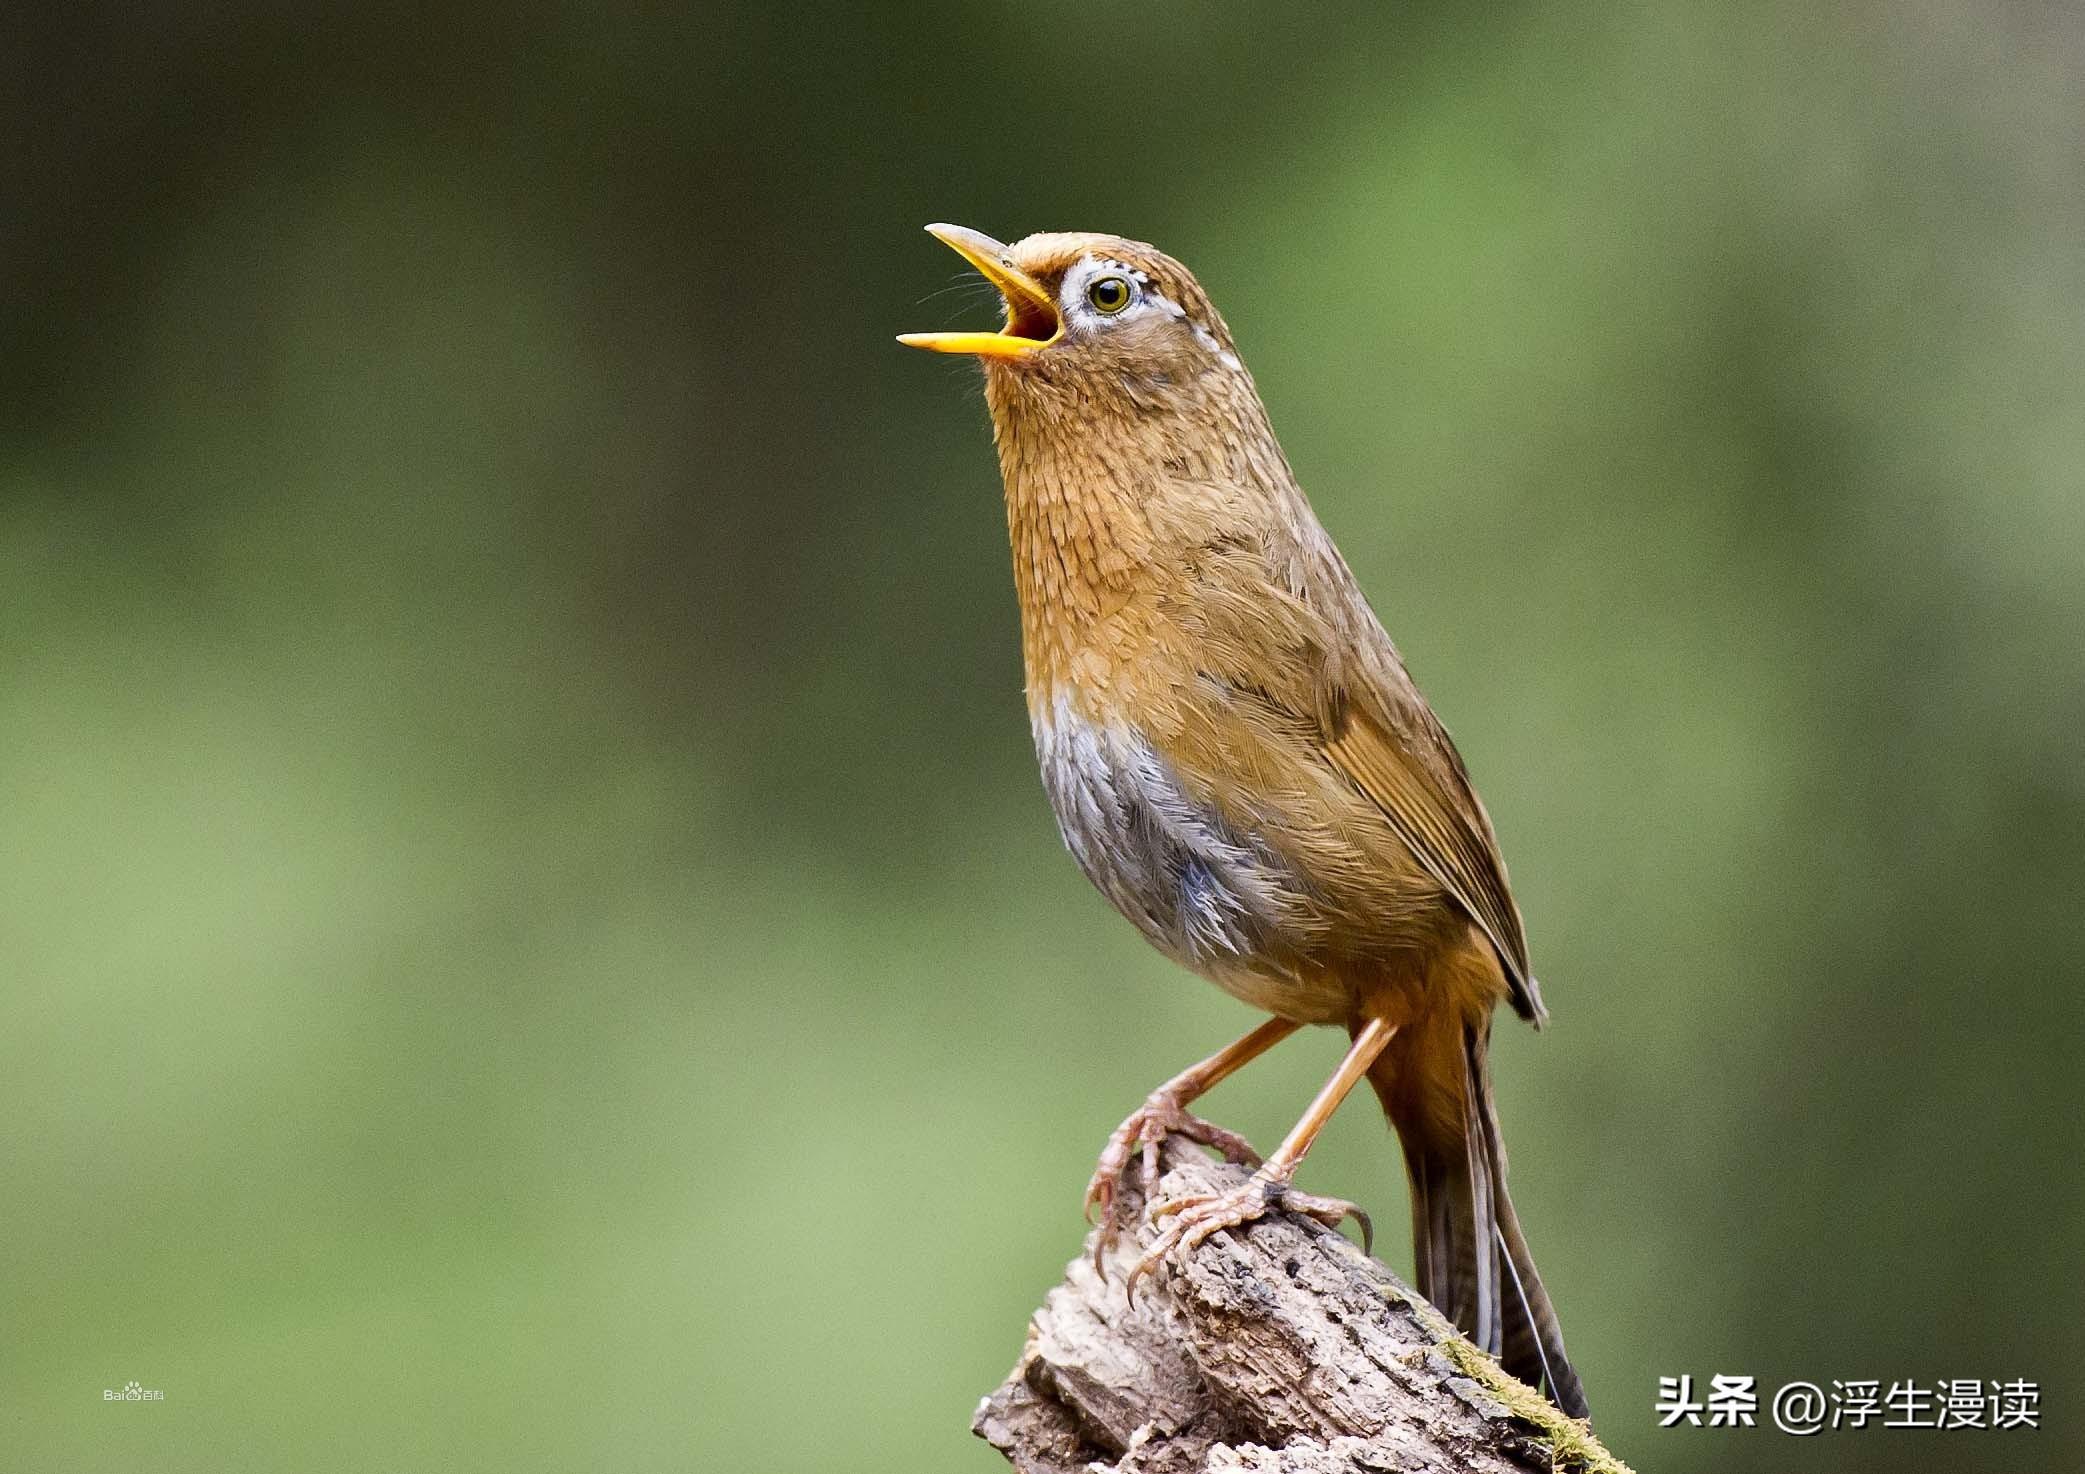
[1196, 1217]
[1163, 1113]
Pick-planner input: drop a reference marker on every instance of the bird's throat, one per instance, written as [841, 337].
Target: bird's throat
[1106, 505]
[1081, 548]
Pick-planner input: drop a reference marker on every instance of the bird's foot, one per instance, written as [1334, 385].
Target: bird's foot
[1140, 1137]
[1197, 1216]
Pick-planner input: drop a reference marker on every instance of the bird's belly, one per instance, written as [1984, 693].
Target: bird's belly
[1213, 898]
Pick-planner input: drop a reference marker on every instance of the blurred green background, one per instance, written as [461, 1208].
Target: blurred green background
[532, 938]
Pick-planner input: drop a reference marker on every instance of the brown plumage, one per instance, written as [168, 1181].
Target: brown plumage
[1239, 761]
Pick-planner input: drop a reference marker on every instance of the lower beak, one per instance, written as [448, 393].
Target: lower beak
[1033, 322]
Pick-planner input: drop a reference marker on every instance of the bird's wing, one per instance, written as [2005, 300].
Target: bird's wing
[1304, 641]
[1436, 813]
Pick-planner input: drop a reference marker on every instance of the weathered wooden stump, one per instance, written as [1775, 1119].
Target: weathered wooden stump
[1278, 1349]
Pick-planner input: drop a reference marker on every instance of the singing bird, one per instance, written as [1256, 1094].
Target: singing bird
[1240, 763]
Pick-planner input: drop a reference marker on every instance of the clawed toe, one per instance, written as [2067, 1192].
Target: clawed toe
[1233, 1147]
[1196, 1216]
[1332, 1212]
[1141, 1138]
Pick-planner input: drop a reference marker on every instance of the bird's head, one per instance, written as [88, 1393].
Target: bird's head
[1114, 327]
[1129, 434]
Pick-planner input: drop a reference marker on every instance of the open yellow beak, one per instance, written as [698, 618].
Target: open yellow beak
[1033, 322]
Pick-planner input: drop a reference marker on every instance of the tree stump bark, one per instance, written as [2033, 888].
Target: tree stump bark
[1276, 1349]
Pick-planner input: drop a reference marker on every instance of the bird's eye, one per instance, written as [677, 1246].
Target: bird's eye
[1109, 294]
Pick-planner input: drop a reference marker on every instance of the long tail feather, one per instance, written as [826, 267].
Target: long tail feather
[1533, 1338]
[1469, 1255]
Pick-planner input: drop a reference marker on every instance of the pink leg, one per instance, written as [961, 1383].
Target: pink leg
[1164, 1113]
[1198, 1216]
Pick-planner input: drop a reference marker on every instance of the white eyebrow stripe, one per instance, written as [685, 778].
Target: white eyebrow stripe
[1093, 266]
[1229, 359]
[1202, 335]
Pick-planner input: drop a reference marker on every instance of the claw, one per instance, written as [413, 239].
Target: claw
[1141, 1138]
[1332, 1212]
[1197, 1216]
[1180, 1205]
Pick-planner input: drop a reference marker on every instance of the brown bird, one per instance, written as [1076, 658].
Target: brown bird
[1239, 761]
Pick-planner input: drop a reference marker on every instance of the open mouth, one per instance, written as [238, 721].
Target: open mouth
[1032, 320]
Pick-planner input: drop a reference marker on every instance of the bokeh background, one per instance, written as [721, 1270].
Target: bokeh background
[531, 937]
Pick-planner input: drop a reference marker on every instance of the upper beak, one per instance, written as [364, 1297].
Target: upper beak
[1032, 320]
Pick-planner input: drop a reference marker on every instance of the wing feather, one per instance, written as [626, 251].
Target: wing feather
[1294, 633]
[1444, 827]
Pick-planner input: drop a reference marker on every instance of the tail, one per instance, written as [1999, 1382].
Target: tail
[1472, 1261]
